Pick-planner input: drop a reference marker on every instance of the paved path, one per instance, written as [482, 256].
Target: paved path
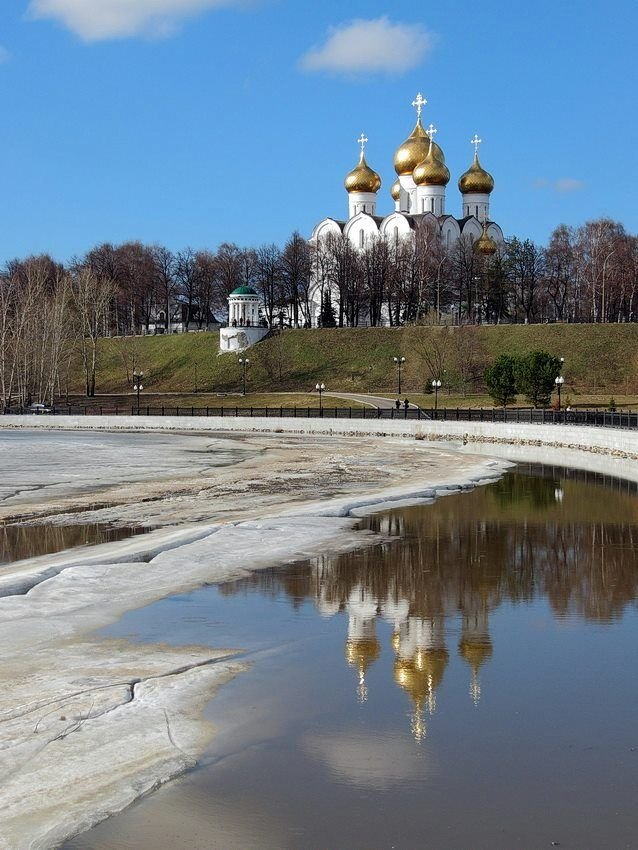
[369, 400]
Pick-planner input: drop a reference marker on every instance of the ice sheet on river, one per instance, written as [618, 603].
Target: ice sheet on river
[88, 725]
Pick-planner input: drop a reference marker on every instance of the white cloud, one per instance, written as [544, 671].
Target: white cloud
[568, 184]
[364, 46]
[5, 56]
[562, 185]
[98, 20]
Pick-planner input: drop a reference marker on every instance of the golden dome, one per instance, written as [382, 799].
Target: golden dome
[485, 244]
[432, 171]
[396, 190]
[414, 150]
[362, 178]
[476, 653]
[421, 675]
[476, 179]
[362, 653]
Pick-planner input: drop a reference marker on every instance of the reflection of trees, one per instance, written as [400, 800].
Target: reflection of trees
[448, 559]
[535, 491]
[463, 557]
[29, 541]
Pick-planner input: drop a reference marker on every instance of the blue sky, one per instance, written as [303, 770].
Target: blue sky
[192, 122]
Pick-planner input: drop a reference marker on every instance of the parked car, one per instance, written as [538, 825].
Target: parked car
[38, 408]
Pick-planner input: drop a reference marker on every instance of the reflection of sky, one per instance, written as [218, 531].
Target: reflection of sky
[546, 754]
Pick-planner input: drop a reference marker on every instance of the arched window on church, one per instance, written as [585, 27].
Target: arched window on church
[431, 204]
[396, 233]
[477, 210]
[362, 239]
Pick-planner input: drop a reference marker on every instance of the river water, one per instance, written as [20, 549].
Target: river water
[470, 682]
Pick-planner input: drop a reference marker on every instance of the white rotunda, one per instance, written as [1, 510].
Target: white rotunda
[243, 329]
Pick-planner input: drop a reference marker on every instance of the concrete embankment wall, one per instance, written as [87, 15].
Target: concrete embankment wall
[606, 441]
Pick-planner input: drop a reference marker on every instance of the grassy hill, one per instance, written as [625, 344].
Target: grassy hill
[599, 359]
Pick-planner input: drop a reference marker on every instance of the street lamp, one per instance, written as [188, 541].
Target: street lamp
[243, 362]
[399, 361]
[320, 389]
[559, 381]
[137, 387]
[436, 386]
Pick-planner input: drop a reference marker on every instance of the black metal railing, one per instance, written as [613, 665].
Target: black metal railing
[599, 418]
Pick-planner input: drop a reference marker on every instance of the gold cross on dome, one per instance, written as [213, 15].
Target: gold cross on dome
[363, 142]
[476, 142]
[431, 131]
[418, 103]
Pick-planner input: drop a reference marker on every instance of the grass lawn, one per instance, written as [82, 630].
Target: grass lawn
[600, 361]
[203, 400]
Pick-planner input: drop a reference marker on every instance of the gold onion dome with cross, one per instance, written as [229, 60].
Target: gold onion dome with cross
[362, 178]
[432, 171]
[416, 147]
[485, 244]
[476, 179]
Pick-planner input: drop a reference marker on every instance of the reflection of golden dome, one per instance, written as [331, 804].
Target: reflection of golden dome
[431, 171]
[485, 244]
[421, 675]
[362, 653]
[414, 150]
[396, 190]
[476, 652]
[362, 178]
[476, 179]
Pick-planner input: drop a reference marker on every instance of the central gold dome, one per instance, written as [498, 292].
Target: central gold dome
[362, 653]
[414, 150]
[362, 178]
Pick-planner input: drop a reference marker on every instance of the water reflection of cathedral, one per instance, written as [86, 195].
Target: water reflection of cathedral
[418, 643]
[450, 565]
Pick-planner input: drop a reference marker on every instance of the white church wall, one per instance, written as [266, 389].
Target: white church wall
[395, 225]
[430, 199]
[360, 230]
[324, 229]
[450, 232]
[477, 205]
[472, 228]
[495, 232]
[365, 202]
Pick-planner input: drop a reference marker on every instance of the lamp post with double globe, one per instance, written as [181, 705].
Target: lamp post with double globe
[243, 362]
[320, 389]
[436, 386]
[399, 361]
[137, 387]
[559, 381]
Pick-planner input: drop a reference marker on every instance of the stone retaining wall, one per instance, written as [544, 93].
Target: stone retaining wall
[608, 441]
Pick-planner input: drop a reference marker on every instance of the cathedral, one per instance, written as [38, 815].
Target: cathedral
[419, 197]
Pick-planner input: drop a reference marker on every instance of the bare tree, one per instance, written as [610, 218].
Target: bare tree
[296, 277]
[91, 299]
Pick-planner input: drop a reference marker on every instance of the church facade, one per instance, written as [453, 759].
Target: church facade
[419, 197]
